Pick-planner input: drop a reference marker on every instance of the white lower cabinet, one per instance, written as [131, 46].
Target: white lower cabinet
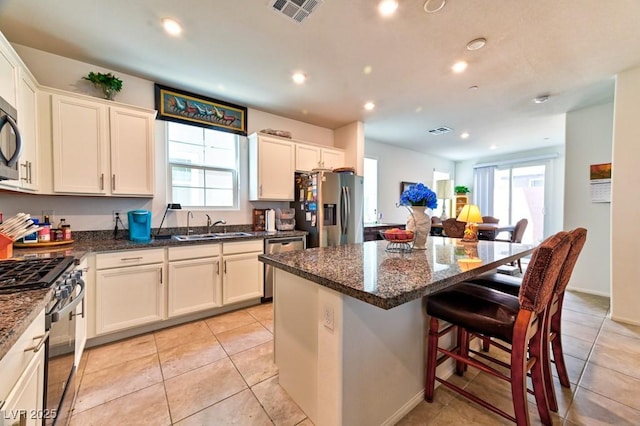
[194, 279]
[129, 296]
[81, 315]
[22, 383]
[243, 273]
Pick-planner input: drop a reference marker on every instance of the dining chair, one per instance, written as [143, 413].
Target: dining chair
[452, 228]
[490, 219]
[519, 321]
[516, 237]
[511, 285]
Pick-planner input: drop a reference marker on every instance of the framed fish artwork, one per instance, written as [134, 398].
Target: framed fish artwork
[189, 108]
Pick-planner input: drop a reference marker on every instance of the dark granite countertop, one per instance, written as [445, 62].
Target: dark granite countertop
[17, 310]
[369, 273]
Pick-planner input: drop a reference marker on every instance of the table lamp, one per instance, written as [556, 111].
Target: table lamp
[170, 206]
[470, 214]
[444, 191]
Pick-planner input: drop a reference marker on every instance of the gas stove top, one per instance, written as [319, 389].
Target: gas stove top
[28, 274]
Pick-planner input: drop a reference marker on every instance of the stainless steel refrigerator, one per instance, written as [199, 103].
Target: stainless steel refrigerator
[329, 206]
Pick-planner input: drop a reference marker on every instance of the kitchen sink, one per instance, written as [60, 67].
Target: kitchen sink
[211, 236]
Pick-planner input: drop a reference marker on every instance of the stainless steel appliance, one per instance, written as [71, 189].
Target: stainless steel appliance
[329, 206]
[10, 141]
[278, 245]
[60, 324]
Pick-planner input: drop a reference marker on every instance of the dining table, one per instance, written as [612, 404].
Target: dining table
[486, 231]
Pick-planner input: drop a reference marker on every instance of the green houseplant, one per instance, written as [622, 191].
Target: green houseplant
[461, 189]
[108, 83]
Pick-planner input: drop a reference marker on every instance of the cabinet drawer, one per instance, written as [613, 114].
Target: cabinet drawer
[129, 258]
[193, 252]
[243, 247]
[16, 360]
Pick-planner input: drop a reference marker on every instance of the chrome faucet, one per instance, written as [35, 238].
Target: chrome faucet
[189, 214]
[216, 223]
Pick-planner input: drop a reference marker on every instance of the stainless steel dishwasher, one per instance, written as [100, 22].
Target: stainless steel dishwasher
[278, 245]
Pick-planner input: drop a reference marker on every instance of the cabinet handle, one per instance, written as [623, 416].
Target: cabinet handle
[26, 171]
[30, 175]
[126, 259]
[102, 182]
[160, 275]
[37, 347]
[113, 182]
[225, 266]
[218, 269]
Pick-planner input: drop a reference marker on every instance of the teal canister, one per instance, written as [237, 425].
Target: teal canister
[139, 226]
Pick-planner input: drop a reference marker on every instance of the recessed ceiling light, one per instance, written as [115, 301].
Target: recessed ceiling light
[459, 66]
[476, 44]
[464, 135]
[493, 147]
[305, 112]
[473, 87]
[419, 109]
[433, 6]
[299, 78]
[541, 99]
[387, 7]
[221, 87]
[367, 70]
[369, 106]
[171, 26]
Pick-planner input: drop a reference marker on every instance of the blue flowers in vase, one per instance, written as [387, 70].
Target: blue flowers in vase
[419, 195]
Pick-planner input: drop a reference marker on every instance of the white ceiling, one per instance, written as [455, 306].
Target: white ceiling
[568, 49]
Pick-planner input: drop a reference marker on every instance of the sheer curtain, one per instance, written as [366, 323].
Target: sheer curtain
[483, 185]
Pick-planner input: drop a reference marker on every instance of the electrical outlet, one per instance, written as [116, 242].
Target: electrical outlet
[116, 213]
[327, 316]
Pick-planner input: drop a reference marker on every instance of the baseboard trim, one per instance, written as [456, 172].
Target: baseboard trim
[624, 320]
[587, 291]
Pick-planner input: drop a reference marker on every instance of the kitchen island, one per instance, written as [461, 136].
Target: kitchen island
[349, 323]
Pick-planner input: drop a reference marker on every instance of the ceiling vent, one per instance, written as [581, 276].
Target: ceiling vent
[297, 10]
[440, 131]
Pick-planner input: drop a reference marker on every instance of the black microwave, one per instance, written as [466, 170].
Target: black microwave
[10, 141]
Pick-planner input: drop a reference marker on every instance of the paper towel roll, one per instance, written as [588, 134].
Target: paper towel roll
[270, 220]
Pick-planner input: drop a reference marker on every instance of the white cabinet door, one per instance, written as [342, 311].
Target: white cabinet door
[271, 168]
[27, 113]
[24, 404]
[194, 285]
[8, 72]
[132, 158]
[332, 159]
[128, 297]
[80, 145]
[243, 277]
[307, 157]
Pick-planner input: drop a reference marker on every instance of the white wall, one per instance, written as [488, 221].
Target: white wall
[588, 141]
[93, 213]
[397, 165]
[553, 189]
[625, 205]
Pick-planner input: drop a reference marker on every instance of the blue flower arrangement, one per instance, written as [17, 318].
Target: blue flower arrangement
[419, 195]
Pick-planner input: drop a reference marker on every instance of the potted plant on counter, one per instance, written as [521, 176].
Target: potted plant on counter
[108, 83]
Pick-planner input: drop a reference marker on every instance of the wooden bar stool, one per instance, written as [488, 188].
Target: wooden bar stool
[516, 320]
[511, 285]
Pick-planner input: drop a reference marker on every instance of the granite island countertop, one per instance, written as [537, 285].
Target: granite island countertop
[369, 273]
[19, 309]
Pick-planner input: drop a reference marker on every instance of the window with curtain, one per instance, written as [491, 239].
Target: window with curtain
[202, 166]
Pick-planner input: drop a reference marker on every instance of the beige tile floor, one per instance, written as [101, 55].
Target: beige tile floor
[219, 371]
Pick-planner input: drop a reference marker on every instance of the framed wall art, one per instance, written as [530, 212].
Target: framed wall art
[189, 108]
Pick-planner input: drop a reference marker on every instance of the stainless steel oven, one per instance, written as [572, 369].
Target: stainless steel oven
[60, 322]
[10, 141]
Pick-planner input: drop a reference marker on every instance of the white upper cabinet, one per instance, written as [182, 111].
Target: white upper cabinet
[8, 72]
[271, 168]
[101, 148]
[28, 116]
[132, 138]
[309, 157]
